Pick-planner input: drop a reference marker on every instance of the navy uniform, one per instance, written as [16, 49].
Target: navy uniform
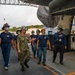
[6, 38]
[32, 43]
[38, 34]
[15, 38]
[35, 43]
[42, 42]
[59, 44]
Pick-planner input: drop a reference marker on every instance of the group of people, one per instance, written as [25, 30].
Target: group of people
[20, 42]
[39, 44]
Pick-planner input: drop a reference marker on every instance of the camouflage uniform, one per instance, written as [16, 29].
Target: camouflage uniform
[25, 53]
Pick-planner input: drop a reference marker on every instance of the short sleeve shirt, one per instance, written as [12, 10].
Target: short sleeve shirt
[33, 36]
[6, 37]
[43, 40]
[36, 36]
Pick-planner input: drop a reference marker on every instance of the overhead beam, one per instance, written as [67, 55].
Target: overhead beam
[62, 7]
[16, 2]
[38, 2]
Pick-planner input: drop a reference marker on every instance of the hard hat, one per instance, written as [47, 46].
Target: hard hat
[18, 31]
[32, 31]
[37, 31]
[42, 29]
[60, 28]
[24, 28]
[5, 25]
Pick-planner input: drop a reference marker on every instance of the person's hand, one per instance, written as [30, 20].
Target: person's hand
[33, 39]
[65, 47]
[28, 35]
[19, 51]
[49, 48]
[53, 46]
[37, 48]
[13, 47]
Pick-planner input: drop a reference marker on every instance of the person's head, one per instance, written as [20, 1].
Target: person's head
[37, 31]
[43, 31]
[23, 30]
[18, 32]
[60, 30]
[5, 27]
[32, 32]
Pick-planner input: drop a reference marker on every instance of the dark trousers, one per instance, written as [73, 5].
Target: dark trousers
[6, 53]
[42, 52]
[34, 50]
[60, 49]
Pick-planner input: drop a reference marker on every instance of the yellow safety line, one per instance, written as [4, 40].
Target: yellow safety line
[50, 70]
[73, 73]
[47, 68]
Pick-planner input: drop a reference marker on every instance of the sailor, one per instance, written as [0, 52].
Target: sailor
[42, 43]
[6, 43]
[59, 44]
[15, 40]
[37, 35]
[33, 38]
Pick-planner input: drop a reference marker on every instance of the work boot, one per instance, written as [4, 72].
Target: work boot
[6, 68]
[53, 61]
[61, 63]
[39, 62]
[44, 64]
[34, 57]
[22, 68]
[26, 64]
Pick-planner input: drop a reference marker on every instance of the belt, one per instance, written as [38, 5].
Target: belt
[5, 42]
[59, 43]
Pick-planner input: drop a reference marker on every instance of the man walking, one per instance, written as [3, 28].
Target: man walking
[33, 38]
[59, 44]
[23, 49]
[6, 40]
[42, 43]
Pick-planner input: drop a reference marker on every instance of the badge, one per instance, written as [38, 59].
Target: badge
[7, 35]
[44, 37]
[60, 40]
[60, 35]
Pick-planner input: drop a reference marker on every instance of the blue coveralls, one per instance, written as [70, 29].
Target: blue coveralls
[59, 42]
[6, 46]
[42, 47]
